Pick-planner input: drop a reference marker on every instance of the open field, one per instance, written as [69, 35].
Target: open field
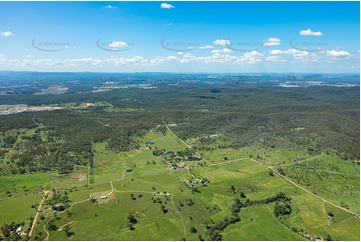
[260, 164]
[159, 200]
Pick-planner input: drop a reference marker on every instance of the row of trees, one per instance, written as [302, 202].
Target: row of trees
[282, 207]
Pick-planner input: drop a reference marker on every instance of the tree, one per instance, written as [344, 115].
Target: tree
[271, 173]
[281, 171]
[282, 208]
[163, 209]
[67, 230]
[130, 226]
[51, 225]
[193, 230]
[242, 194]
[131, 218]
[328, 238]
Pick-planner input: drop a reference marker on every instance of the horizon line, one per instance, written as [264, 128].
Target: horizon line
[164, 72]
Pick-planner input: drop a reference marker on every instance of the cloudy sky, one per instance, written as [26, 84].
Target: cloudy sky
[234, 37]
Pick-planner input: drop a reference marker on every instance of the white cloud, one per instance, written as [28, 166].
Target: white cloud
[252, 57]
[172, 58]
[188, 55]
[287, 52]
[272, 42]
[215, 58]
[118, 44]
[122, 61]
[276, 59]
[166, 6]
[310, 32]
[276, 52]
[7, 34]
[225, 50]
[155, 61]
[110, 7]
[206, 47]
[338, 53]
[221, 42]
[223, 56]
[303, 56]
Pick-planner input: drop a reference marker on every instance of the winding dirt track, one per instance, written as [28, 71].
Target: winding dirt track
[322, 199]
[272, 168]
[275, 171]
[185, 143]
[37, 214]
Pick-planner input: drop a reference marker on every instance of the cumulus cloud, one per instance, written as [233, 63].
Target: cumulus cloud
[276, 59]
[7, 34]
[272, 42]
[222, 56]
[166, 6]
[110, 7]
[252, 57]
[287, 52]
[276, 52]
[172, 57]
[188, 55]
[301, 55]
[338, 53]
[221, 42]
[118, 44]
[225, 50]
[310, 32]
[215, 58]
[206, 47]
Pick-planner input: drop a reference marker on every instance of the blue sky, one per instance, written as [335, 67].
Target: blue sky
[180, 36]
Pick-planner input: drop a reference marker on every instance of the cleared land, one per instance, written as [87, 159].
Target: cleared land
[142, 185]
